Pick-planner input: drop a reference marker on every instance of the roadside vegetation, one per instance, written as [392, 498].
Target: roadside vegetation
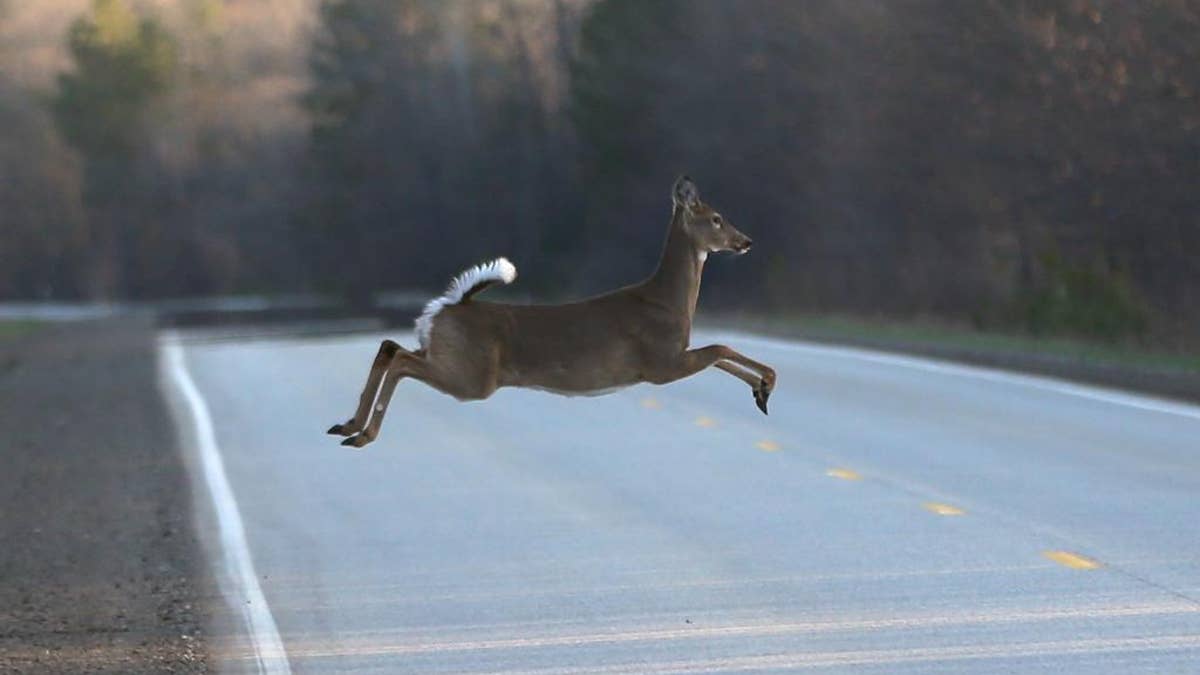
[1022, 168]
[929, 335]
[15, 328]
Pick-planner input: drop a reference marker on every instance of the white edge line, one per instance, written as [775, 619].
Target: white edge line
[245, 594]
[1094, 393]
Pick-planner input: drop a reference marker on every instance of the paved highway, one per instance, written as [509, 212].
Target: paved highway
[891, 515]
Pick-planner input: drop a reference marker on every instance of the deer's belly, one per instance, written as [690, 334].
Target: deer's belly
[571, 380]
[579, 392]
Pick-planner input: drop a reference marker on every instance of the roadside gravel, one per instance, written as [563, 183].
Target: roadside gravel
[99, 563]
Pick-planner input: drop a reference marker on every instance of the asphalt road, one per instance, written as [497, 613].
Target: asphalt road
[891, 515]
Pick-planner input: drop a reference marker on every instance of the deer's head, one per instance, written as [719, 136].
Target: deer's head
[708, 230]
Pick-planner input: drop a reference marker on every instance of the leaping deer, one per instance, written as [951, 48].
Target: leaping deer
[634, 334]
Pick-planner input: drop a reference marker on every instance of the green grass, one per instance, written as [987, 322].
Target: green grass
[938, 335]
[17, 328]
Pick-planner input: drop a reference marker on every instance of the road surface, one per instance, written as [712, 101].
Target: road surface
[890, 515]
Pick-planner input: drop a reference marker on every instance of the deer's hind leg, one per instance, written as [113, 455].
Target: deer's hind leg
[383, 358]
[468, 379]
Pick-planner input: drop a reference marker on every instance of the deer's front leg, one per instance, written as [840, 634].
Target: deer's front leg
[758, 385]
[694, 360]
[686, 364]
[766, 374]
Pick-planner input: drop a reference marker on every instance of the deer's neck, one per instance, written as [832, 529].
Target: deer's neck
[676, 282]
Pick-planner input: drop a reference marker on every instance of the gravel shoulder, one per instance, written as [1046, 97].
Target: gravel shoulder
[100, 566]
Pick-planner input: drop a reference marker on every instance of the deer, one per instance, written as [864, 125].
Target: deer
[635, 334]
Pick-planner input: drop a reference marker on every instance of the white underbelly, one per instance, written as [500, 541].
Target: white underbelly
[585, 392]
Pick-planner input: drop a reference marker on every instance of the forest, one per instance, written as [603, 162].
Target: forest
[1018, 165]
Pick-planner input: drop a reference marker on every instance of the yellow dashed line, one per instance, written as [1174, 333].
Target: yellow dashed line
[706, 422]
[651, 404]
[767, 446]
[844, 474]
[943, 509]
[1072, 560]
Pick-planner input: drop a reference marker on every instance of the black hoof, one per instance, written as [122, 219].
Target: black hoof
[344, 429]
[357, 441]
[760, 399]
[761, 394]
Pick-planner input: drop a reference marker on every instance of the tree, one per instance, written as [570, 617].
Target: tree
[42, 228]
[351, 64]
[432, 142]
[123, 62]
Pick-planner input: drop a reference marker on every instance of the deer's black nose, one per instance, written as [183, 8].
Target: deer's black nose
[745, 245]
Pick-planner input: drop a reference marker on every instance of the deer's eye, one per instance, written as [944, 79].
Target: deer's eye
[716, 221]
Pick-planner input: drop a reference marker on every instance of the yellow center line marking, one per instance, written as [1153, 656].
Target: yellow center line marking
[943, 509]
[1072, 560]
[706, 422]
[844, 474]
[651, 403]
[767, 446]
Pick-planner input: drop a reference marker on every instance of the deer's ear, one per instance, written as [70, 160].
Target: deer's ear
[684, 193]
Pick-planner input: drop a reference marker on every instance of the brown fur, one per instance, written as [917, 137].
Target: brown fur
[639, 333]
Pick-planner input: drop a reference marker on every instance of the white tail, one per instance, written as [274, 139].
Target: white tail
[462, 288]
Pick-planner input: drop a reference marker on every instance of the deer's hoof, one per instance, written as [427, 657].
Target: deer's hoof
[356, 441]
[344, 429]
[762, 393]
[760, 399]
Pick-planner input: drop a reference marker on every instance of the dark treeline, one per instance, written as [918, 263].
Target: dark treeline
[1014, 163]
